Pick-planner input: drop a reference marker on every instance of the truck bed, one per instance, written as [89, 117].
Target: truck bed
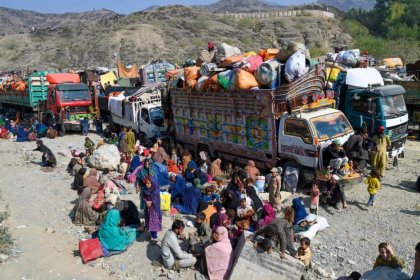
[239, 122]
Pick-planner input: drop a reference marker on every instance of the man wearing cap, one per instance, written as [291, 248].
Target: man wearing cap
[380, 158]
[334, 156]
[335, 192]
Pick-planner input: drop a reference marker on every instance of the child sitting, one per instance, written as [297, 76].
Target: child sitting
[245, 213]
[373, 186]
[210, 196]
[304, 252]
[199, 239]
[387, 258]
[266, 244]
[89, 146]
[277, 205]
[314, 198]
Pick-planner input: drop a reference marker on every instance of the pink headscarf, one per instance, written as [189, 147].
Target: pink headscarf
[219, 256]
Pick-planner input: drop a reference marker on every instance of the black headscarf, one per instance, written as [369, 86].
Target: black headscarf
[78, 179]
[257, 204]
[231, 202]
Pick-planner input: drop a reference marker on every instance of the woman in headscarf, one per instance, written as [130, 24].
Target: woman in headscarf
[220, 220]
[231, 201]
[172, 167]
[91, 181]
[152, 213]
[135, 162]
[186, 160]
[300, 211]
[215, 169]
[190, 198]
[78, 180]
[269, 216]
[219, 255]
[192, 169]
[252, 171]
[176, 186]
[256, 202]
[145, 173]
[112, 237]
[83, 212]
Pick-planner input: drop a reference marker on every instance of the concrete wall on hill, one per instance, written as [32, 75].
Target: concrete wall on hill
[278, 14]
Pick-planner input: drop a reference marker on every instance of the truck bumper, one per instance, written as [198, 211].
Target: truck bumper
[397, 147]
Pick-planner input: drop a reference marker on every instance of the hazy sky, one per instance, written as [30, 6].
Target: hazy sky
[121, 6]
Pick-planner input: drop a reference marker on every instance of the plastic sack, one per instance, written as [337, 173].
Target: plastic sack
[231, 60]
[90, 249]
[291, 178]
[106, 156]
[225, 78]
[165, 201]
[245, 80]
[207, 68]
[252, 63]
[286, 52]
[295, 66]
[224, 50]
[200, 83]
[347, 58]
[268, 74]
[268, 54]
[332, 74]
[191, 75]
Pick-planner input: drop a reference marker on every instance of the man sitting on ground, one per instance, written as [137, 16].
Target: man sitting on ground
[173, 256]
[334, 156]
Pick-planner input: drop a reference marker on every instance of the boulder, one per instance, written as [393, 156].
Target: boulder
[106, 156]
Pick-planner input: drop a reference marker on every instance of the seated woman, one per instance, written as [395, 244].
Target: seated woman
[219, 255]
[190, 199]
[269, 215]
[82, 213]
[113, 237]
[78, 180]
[91, 181]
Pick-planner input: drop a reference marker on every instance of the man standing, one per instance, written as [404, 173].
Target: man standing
[274, 186]
[380, 158]
[131, 141]
[173, 257]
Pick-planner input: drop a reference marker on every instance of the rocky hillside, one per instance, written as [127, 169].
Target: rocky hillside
[346, 5]
[18, 21]
[174, 33]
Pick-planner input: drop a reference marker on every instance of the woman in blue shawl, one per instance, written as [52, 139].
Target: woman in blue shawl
[135, 162]
[190, 198]
[177, 185]
[300, 211]
[152, 213]
[115, 238]
[190, 173]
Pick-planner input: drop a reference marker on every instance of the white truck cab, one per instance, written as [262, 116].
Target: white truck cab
[303, 135]
[142, 111]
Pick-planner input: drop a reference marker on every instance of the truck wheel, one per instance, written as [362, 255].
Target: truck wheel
[302, 181]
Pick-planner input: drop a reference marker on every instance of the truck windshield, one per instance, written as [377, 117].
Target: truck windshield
[331, 125]
[156, 115]
[393, 105]
[74, 95]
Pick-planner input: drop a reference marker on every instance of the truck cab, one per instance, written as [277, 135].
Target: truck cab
[368, 103]
[304, 134]
[151, 121]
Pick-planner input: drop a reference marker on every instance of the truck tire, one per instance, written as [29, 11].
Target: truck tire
[302, 181]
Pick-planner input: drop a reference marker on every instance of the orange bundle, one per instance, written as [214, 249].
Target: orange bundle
[191, 75]
[245, 80]
[231, 60]
[268, 54]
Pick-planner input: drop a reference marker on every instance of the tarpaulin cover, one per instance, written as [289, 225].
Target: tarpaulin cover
[125, 72]
[115, 105]
[108, 78]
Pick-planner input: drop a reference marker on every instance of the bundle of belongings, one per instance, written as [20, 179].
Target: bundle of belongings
[226, 67]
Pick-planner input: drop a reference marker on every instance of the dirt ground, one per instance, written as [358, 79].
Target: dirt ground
[46, 242]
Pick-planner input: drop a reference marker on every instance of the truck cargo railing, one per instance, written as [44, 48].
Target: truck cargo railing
[150, 94]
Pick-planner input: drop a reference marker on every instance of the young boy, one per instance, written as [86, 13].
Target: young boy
[245, 213]
[373, 186]
[387, 257]
[210, 196]
[304, 252]
[199, 239]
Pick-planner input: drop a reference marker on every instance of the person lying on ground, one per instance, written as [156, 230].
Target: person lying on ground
[173, 256]
[387, 257]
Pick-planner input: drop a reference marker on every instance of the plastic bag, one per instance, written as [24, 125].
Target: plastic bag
[225, 78]
[295, 66]
[165, 201]
[245, 80]
[291, 178]
[293, 47]
[268, 74]
[224, 51]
